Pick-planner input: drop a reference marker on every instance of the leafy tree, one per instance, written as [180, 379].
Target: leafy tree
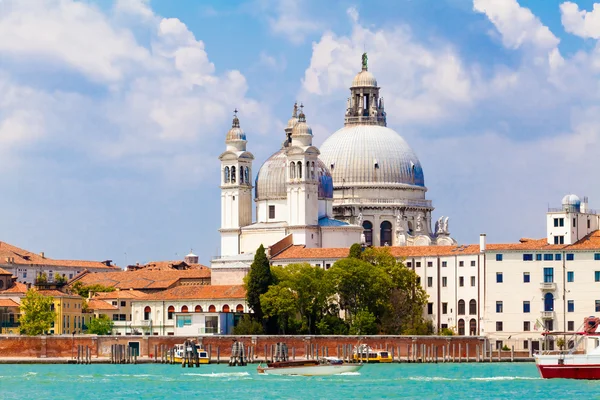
[41, 279]
[355, 251]
[279, 302]
[248, 326]
[257, 281]
[363, 323]
[101, 325]
[446, 332]
[59, 279]
[85, 290]
[37, 314]
[332, 324]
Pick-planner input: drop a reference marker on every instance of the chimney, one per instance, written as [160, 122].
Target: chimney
[482, 243]
[42, 254]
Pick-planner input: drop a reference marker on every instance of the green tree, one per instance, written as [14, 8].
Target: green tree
[279, 302]
[355, 251]
[37, 314]
[100, 326]
[363, 323]
[85, 290]
[257, 281]
[248, 326]
[446, 332]
[59, 279]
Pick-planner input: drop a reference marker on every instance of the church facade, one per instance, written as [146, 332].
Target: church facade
[364, 185]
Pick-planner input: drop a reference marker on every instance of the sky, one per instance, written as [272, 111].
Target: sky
[113, 114]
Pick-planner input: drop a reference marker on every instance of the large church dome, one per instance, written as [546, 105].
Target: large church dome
[370, 155]
[271, 179]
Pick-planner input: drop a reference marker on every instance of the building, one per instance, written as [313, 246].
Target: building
[69, 312]
[27, 266]
[116, 305]
[9, 316]
[169, 311]
[365, 184]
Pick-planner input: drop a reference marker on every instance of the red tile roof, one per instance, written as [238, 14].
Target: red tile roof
[120, 294]
[94, 304]
[17, 287]
[58, 293]
[200, 292]
[143, 278]
[8, 303]
[17, 255]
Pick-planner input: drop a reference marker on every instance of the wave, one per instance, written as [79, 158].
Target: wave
[220, 374]
[349, 373]
[504, 378]
[482, 379]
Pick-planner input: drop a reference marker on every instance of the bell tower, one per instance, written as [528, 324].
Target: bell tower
[236, 188]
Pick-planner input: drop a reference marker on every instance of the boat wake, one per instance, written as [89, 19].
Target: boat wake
[349, 373]
[220, 374]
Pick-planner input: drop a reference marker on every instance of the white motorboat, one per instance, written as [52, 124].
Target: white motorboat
[323, 367]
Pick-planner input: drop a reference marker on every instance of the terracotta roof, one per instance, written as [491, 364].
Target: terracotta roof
[4, 272]
[143, 278]
[170, 265]
[200, 292]
[300, 252]
[94, 304]
[24, 257]
[8, 303]
[120, 294]
[17, 287]
[58, 293]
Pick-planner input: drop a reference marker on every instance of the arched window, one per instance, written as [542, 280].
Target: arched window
[548, 302]
[410, 228]
[312, 170]
[473, 307]
[473, 327]
[225, 308]
[170, 312]
[247, 174]
[299, 170]
[147, 311]
[292, 170]
[368, 231]
[232, 174]
[184, 308]
[226, 175]
[198, 309]
[239, 308]
[461, 307]
[386, 234]
[212, 308]
[461, 327]
[307, 176]
[241, 174]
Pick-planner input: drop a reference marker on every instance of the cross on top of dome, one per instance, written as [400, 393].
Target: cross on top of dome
[236, 120]
[301, 116]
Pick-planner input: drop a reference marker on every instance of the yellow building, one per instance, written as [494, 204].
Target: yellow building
[69, 312]
[9, 317]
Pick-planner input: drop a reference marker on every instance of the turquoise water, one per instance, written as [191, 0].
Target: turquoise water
[156, 381]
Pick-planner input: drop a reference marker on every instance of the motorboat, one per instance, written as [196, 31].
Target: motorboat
[580, 361]
[322, 367]
[364, 353]
[180, 350]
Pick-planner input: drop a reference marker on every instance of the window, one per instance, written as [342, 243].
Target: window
[408, 264]
[526, 326]
[123, 303]
[596, 256]
[550, 327]
[461, 307]
[429, 264]
[548, 257]
[597, 306]
[548, 275]
[527, 257]
[570, 306]
[570, 276]
[588, 222]
[526, 277]
[559, 240]
[557, 257]
[184, 309]
[418, 264]
[418, 280]
[368, 231]
[570, 325]
[571, 257]
[574, 223]
[184, 320]
[548, 302]
[559, 222]
[170, 312]
[538, 257]
[461, 327]
[498, 306]
[444, 281]
[472, 307]
[461, 263]
[525, 344]
[444, 264]
[444, 308]
[461, 281]
[115, 317]
[596, 276]
[114, 303]
[498, 257]
[429, 308]
[526, 307]
[147, 311]
[499, 328]
[385, 233]
[473, 281]
[271, 212]
[429, 281]
[473, 263]
[498, 277]
[444, 326]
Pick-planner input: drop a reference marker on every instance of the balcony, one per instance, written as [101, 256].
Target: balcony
[547, 314]
[548, 286]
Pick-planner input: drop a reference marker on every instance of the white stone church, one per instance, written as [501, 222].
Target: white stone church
[365, 185]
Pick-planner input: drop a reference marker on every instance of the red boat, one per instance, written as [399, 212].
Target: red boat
[574, 363]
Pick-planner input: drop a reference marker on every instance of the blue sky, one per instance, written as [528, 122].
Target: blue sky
[113, 114]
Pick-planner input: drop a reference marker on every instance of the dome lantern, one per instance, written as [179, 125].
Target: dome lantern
[235, 138]
[302, 132]
[364, 105]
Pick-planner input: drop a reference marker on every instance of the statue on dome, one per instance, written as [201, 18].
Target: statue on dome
[446, 231]
[359, 219]
[365, 60]
[348, 107]
[419, 223]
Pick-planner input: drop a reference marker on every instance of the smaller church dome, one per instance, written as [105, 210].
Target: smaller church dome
[364, 78]
[235, 133]
[571, 200]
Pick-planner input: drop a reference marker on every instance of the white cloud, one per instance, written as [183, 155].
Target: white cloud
[581, 23]
[288, 18]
